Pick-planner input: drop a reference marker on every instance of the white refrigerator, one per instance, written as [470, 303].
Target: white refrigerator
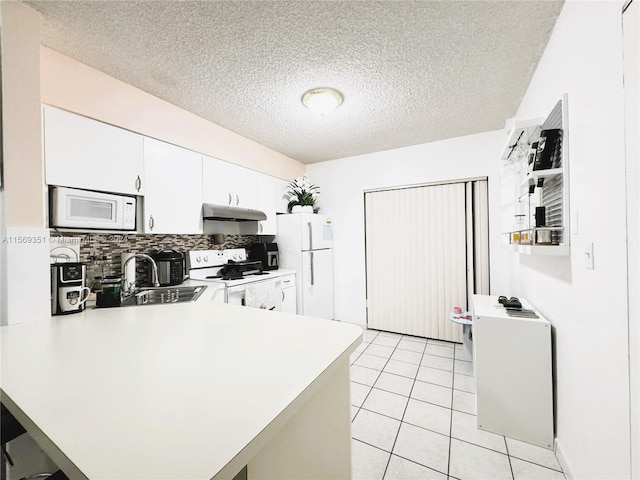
[305, 243]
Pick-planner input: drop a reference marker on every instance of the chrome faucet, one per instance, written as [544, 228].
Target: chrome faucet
[128, 289]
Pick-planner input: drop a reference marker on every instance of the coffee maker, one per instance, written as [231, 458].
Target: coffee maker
[267, 253]
[68, 290]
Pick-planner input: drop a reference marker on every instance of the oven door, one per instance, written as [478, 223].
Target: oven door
[262, 294]
[235, 295]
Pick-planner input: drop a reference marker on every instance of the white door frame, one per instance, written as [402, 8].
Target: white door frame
[631, 41]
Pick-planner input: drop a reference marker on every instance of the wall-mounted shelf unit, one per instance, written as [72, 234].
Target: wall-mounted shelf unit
[521, 135]
[543, 250]
[537, 174]
[527, 182]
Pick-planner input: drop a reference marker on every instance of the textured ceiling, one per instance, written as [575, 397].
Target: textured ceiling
[410, 72]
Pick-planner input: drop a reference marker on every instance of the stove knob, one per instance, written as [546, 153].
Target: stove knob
[198, 259]
[206, 259]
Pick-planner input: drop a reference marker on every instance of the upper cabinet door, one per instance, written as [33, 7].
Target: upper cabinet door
[267, 203]
[225, 183]
[84, 153]
[271, 200]
[173, 196]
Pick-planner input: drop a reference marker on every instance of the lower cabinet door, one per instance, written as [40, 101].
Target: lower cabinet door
[288, 299]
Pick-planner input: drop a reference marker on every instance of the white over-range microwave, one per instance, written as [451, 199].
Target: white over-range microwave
[74, 208]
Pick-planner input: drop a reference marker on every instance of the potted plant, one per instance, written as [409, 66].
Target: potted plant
[302, 195]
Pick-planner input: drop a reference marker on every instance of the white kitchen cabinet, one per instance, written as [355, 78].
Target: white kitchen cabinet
[288, 293]
[224, 183]
[173, 195]
[267, 202]
[282, 201]
[513, 373]
[84, 153]
[272, 201]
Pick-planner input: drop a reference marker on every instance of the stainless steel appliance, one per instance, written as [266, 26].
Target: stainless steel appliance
[68, 290]
[231, 213]
[244, 281]
[73, 208]
[266, 253]
[171, 266]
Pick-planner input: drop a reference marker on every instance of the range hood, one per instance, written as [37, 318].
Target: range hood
[231, 214]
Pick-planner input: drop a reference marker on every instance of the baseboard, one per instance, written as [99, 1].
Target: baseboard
[564, 463]
[362, 325]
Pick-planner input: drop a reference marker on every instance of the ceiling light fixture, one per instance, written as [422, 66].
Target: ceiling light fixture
[322, 100]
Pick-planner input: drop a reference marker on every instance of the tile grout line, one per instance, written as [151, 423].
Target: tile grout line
[403, 413]
[506, 446]
[363, 400]
[453, 372]
[350, 404]
[371, 389]
[414, 380]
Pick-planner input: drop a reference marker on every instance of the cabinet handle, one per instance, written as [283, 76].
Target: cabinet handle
[138, 183]
[237, 199]
[230, 199]
[260, 228]
[283, 295]
[151, 222]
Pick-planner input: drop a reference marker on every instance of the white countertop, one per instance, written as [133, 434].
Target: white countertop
[488, 306]
[164, 391]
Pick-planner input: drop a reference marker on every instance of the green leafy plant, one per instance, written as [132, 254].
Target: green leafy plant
[302, 192]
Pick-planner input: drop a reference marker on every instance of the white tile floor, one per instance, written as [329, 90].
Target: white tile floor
[413, 417]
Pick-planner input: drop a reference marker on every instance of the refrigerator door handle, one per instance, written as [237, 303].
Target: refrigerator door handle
[310, 235]
[311, 257]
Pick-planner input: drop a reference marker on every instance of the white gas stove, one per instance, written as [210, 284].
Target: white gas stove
[231, 268]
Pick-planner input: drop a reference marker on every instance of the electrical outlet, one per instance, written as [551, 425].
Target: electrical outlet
[588, 256]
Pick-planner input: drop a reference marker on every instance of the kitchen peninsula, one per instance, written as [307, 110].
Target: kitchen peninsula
[184, 391]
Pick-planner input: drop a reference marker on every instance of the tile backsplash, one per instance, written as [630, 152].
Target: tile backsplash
[101, 252]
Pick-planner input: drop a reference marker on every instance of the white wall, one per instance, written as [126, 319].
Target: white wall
[588, 308]
[343, 182]
[74, 86]
[25, 250]
[631, 34]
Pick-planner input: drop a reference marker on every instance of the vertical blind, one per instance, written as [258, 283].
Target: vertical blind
[480, 239]
[421, 258]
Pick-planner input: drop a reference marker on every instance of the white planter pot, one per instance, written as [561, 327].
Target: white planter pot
[302, 209]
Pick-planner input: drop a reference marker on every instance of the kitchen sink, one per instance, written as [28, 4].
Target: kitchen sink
[159, 295]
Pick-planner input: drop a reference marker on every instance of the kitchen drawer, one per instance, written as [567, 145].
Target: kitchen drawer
[288, 280]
